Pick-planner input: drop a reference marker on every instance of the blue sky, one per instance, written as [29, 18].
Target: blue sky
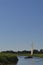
[21, 22]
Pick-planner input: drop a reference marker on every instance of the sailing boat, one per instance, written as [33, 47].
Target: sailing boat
[31, 56]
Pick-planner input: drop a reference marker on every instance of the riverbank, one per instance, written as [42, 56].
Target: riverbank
[8, 58]
[38, 55]
[11, 58]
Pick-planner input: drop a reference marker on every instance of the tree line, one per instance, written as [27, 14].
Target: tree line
[35, 51]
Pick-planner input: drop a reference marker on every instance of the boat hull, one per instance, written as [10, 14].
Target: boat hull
[28, 57]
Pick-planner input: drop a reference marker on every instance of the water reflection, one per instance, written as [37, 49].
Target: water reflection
[32, 62]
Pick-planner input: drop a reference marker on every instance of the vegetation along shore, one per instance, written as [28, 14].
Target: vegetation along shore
[8, 58]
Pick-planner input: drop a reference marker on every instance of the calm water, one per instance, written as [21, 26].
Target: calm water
[32, 61]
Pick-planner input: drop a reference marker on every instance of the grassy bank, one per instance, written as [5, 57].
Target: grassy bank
[38, 55]
[8, 58]
[34, 55]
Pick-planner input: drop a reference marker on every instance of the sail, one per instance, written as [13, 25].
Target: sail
[32, 49]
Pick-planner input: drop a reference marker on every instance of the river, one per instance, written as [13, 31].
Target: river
[30, 61]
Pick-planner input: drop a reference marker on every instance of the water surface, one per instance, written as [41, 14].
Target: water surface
[30, 61]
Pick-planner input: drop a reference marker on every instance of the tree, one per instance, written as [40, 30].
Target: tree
[41, 50]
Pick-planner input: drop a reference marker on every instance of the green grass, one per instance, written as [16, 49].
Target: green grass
[8, 58]
[38, 55]
[24, 54]
[35, 55]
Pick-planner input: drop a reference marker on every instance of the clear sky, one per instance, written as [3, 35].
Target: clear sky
[21, 22]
